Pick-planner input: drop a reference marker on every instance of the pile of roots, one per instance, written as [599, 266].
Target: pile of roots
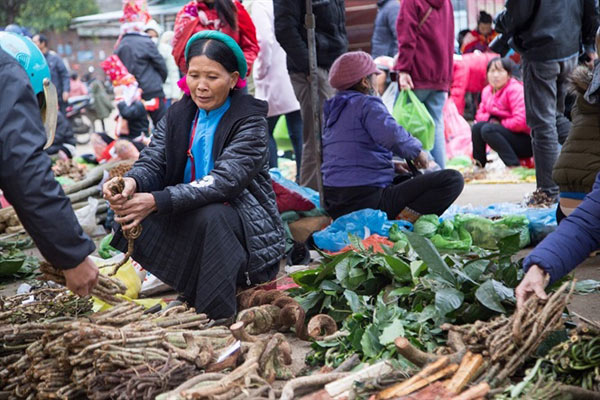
[70, 169]
[124, 353]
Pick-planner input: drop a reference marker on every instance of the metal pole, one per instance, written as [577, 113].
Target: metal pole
[314, 91]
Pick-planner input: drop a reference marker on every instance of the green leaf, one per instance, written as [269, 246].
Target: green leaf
[491, 293]
[307, 278]
[400, 270]
[356, 242]
[510, 244]
[328, 269]
[448, 300]
[475, 269]
[354, 301]
[356, 276]
[417, 268]
[391, 332]
[330, 286]
[370, 342]
[428, 253]
[401, 291]
[310, 300]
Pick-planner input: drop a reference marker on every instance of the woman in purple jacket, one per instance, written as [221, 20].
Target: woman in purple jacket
[360, 137]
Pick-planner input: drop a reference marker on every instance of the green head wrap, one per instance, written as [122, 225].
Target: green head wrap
[228, 40]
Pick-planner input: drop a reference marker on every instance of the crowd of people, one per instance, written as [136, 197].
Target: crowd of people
[204, 140]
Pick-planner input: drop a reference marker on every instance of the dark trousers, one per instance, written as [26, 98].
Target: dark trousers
[509, 145]
[430, 193]
[294, 127]
[545, 84]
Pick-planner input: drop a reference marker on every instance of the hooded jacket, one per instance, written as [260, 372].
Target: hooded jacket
[544, 30]
[330, 32]
[426, 52]
[385, 37]
[507, 104]
[240, 175]
[142, 59]
[359, 139]
[26, 176]
[579, 160]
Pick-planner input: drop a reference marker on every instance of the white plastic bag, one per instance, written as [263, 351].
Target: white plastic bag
[87, 218]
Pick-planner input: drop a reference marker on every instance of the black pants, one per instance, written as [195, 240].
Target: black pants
[510, 146]
[430, 193]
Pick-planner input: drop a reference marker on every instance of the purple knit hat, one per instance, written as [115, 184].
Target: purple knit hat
[349, 68]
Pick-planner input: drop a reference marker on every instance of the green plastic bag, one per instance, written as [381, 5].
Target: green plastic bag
[488, 234]
[105, 250]
[415, 118]
[427, 225]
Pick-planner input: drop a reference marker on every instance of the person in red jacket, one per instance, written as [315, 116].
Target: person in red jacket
[470, 76]
[425, 47]
[500, 119]
[227, 16]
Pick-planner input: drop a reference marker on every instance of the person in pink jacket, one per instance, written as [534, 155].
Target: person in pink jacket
[500, 119]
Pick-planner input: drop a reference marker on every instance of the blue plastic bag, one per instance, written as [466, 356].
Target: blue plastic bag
[361, 223]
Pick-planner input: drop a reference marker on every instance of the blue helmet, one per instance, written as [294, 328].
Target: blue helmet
[34, 63]
[29, 56]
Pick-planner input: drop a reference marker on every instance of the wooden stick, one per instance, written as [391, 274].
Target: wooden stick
[341, 385]
[395, 389]
[474, 392]
[465, 372]
[450, 369]
[412, 354]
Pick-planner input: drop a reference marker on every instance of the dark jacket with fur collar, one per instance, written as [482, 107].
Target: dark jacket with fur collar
[240, 175]
[579, 160]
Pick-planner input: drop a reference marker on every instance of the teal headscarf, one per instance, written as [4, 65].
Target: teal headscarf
[228, 40]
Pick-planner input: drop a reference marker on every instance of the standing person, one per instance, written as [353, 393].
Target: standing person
[170, 87]
[142, 59]
[58, 71]
[480, 37]
[162, 41]
[385, 36]
[331, 40]
[548, 35]
[426, 48]
[78, 88]
[206, 204]
[101, 106]
[273, 82]
[500, 119]
[26, 176]
[227, 16]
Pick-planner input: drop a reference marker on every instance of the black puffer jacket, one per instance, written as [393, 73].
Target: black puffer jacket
[544, 30]
[142, 59]
[26, 176]
[136, 116]
[240, 175]
[330, 32]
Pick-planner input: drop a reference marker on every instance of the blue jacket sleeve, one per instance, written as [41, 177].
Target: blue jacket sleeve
[26, 176]
[572, 242]
[386, 132]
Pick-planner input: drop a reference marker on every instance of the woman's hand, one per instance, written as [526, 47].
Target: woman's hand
[405, 81]
[121, 198]
[422, 161]
[133, 211]
[534, 282]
